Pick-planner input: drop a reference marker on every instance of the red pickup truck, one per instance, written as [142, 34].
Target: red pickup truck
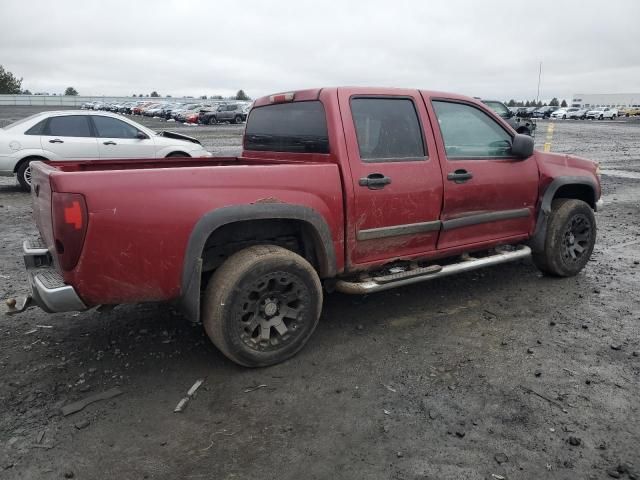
[351, 189]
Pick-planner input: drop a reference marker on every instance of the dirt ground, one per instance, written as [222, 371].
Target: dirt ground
[498, 373]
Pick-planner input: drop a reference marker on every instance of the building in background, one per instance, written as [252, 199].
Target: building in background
[617, 100]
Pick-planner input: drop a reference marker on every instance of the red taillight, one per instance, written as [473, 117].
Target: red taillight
[69, 227]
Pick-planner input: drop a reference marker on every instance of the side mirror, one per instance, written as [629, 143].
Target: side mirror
[141, 135]
[522, 146]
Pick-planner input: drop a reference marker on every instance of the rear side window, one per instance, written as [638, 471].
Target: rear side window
[69, 126]
[108, 127]
[37, 128]
[388, 129]
[299, 127]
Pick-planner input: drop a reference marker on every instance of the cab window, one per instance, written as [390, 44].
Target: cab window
[469, 133]
[68, 126]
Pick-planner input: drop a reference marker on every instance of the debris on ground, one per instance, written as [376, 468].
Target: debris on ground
[182, 404]
[252, 389]
[575, 441]
[80, 404]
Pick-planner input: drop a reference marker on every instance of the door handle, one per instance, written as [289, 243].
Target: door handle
[459, 176]
[56, 140]
[110, 142]
[374, 181]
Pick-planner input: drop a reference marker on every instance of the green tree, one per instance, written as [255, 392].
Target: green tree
[215, 97]
[141, 95]
[134, 95]
[511, 103]
[564, 103]
[26, 92]
[527, 103]
[154, 94]
[554, 102]
[241, 95]
[8, 82]
[540, 104]
[71, 91]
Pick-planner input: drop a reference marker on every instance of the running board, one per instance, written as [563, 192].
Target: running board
[409, 277]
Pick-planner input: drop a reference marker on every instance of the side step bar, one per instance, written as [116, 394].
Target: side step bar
[429, 273]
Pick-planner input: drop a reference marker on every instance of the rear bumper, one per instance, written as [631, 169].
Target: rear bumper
[48, 289]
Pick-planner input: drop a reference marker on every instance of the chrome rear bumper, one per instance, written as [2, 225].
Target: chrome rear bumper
[48, 289]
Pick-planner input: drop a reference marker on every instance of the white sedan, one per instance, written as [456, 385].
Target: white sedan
[84, 135]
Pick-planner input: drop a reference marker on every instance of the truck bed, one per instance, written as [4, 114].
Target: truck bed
[141, 213]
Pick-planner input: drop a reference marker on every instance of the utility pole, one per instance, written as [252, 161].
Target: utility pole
[539, 77]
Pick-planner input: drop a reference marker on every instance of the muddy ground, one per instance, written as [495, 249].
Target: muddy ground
[496, 373]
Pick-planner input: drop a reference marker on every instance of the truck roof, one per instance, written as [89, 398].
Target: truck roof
[314, 94]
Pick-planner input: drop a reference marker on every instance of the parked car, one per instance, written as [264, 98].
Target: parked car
[577, 113]
[334, 187]
[630, 111]
[138, 109]
[190, 109]
[166, 110]
[155, 110]
[226, 112]
[519, 124]
[80, 134]
[559, 113]
[544, 112]
[600, 113]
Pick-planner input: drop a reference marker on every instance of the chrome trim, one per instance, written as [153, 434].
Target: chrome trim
[396, 230]
[599, 205]
[59, 299]
[33, 251]
[485, 217]
[371, 286]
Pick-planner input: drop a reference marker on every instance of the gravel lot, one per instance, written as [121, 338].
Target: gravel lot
[495, 373]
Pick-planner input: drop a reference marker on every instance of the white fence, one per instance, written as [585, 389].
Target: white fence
[75, 101]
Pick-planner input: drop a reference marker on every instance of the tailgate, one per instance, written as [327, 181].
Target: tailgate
[41, 202]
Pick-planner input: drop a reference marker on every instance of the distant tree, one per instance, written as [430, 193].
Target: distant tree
[527, 103]
[147, 95]
[8, 82]
[203, 97]
[215, 97]
[168, 96]
[134, 95]
[154, 94]
[554, 102]
[141, 95]
[241, 95]
[26, 92]
[511, 103]
[540, 104]
[70, 91]
[564, 103]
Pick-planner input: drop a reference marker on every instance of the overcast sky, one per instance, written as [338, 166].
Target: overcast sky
[189, 47]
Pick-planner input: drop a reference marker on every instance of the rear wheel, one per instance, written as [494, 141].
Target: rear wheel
[237, 120]
[177, 154]
[571, 236]
[213, 120]
[262, 305]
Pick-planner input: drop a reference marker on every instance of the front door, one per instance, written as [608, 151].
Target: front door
[69, 137]
[488, 193]
[397, 183]
[118, 139]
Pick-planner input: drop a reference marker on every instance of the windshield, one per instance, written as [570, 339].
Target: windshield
[499, 108]
[21, 121]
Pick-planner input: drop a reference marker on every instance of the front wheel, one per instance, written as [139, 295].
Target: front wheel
[570, 238]
[262, 305]
[238, 119]
[24, 175]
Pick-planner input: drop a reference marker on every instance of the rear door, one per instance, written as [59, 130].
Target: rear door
[118, 139]
[488, 193]
[395, 172]
[69, 137]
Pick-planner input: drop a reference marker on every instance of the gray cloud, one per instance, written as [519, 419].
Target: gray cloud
[196, 47]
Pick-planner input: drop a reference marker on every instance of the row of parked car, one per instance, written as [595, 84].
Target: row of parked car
[206, 113]
[576, 113]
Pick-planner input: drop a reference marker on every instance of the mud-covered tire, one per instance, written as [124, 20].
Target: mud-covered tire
[262, 305]
[570, 238]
